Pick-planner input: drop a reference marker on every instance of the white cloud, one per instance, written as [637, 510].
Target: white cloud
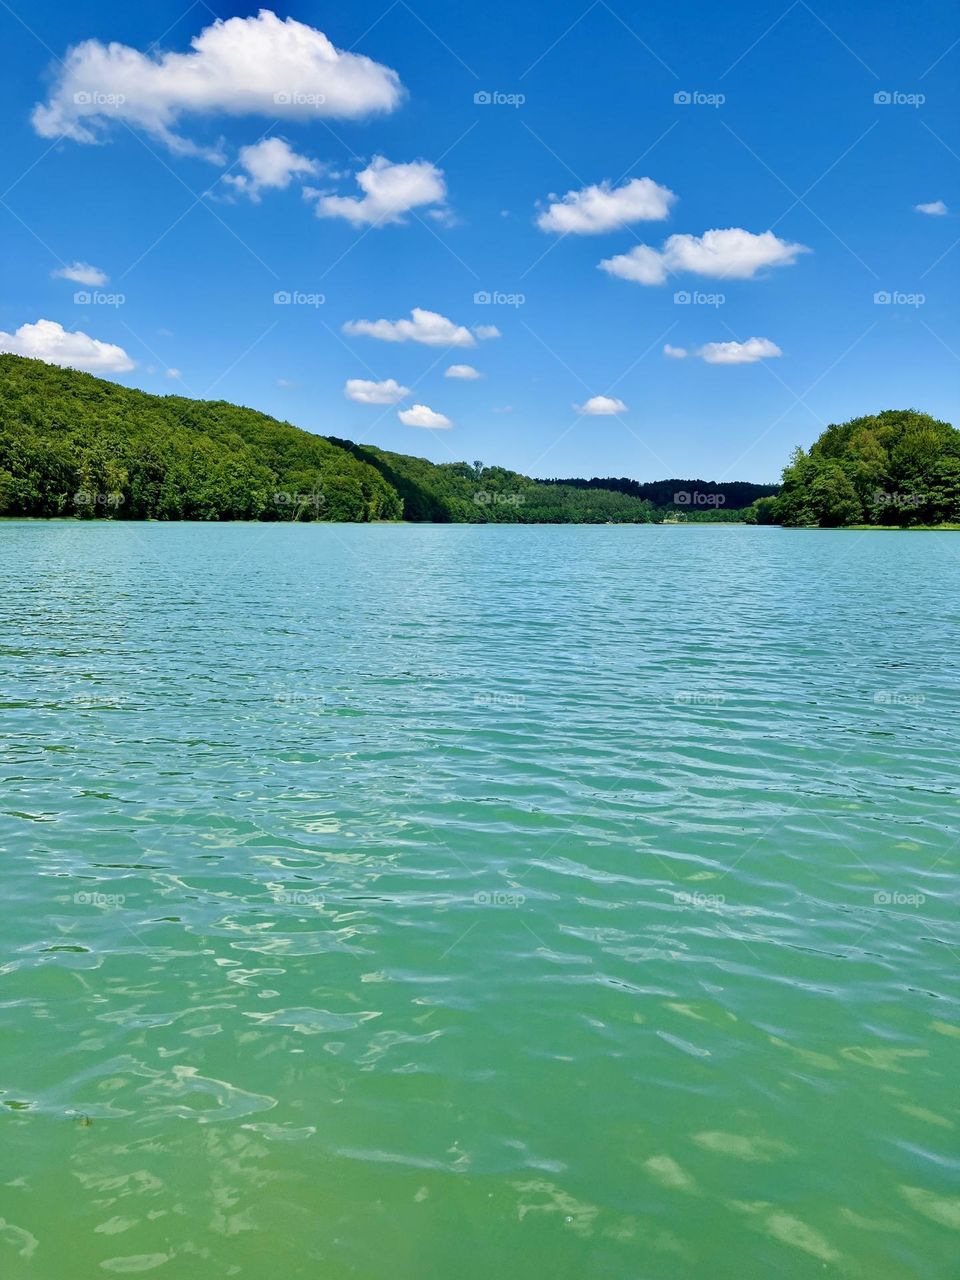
[366, 392]
[936, 207]
[604, 207]
[487, 331]
[270, 163]
[82, 273]
[245, 66]
[389, 191]
[465, 371]
[175, 374]
[421, 416]
[49, 341]
[428, 327]
[601, 407]
[748, 352]
[675, 353]
[731, 253]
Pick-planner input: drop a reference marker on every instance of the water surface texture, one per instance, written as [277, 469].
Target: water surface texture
[407, 902]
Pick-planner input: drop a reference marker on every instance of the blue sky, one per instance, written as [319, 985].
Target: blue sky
[181, 188]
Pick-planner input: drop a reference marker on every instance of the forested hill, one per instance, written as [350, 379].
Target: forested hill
[75, 445]
[732, 495]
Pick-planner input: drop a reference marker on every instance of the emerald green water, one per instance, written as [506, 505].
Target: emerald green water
[409, 902]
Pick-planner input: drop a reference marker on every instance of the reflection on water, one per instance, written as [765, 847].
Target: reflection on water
[392, 902]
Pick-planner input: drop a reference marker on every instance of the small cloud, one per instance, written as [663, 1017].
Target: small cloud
[421, 416]
[675, 353]
[367, 392]
[389, 191]
[731, 253]
[427, 327]
[285, 383]
[270, 163]
[486, 331]
[935, 207]
[503, 408]
[172, 373]
[748, 352]
[49, 341]
[82, 273]
[604, 207]
[465, 371]
[601, 407]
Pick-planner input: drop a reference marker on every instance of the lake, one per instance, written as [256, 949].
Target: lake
[399, 902]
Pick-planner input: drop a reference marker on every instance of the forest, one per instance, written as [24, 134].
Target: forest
[75, 445]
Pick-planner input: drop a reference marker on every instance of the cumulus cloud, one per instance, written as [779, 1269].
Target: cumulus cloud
[389, 191]
[486, 331]
[748, 352]
[935, 207]
[421, 416]
[731, 253]
[427, 327]
[366, 392]
[245, 66]
[49, 341]
[465, 371]
[270, 163]
[82, 273]
[675, 353]
[601, 407]
[604, 207]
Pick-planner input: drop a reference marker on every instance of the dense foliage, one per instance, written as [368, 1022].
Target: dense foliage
[72, 444]
[666, 494]
[899, 467]
[461, 492]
